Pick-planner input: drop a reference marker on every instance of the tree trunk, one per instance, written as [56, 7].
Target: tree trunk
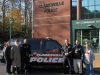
[3, 11]
[25, 14]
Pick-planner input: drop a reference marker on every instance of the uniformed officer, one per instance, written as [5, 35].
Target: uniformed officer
[67, 51]
[25, 51]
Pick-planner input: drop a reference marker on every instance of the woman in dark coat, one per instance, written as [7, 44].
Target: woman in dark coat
[7, 54]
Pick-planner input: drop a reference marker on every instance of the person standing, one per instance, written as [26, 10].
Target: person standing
[67, 48]
[3, 51]
[88, 59]
[25, 51]
[16, 57]
[7, 54]
[78, 54]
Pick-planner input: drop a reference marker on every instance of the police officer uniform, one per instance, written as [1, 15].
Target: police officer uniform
[68, 58]
[25, 51]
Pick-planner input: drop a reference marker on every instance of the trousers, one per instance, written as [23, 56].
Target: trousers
[89, 69]
[8, 66]
[77, 65]
[16, 69]
[67, 62]
[24, 63]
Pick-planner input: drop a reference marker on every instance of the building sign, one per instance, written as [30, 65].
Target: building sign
[88, 22]
[49, 5]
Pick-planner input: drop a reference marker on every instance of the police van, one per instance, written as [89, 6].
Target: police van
[45, 52]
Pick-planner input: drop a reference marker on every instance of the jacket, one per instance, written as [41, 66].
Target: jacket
[78, 52]
[25, 49]
[16, 56]
[67, 49]
[7, 53]
[88, 56]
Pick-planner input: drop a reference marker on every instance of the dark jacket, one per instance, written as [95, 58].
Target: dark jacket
[68, 49]
[25, 49]
[78, 52]
[7, 53]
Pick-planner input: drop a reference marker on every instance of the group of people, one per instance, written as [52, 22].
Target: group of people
[75, 56]
[16, 56]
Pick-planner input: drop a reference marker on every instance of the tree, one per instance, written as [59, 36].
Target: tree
[20, 11]
[17, 17]
[3, 11]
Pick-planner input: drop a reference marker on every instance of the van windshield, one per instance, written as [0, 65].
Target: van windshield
[50, 45]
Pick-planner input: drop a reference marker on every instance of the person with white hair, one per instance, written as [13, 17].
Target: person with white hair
[16, 57]
[88, 60]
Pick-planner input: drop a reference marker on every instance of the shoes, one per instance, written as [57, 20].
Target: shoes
[26, 72]
[76, 73]
[13, 73]
[9, 73]
[70, 73]
[63, 73]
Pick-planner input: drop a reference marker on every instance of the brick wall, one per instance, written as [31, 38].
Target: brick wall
[96, 63]
[52, 24]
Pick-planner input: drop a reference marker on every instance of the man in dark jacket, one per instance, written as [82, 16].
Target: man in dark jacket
[7, 54]
[67, 48]
[25, 51]
[77, 57]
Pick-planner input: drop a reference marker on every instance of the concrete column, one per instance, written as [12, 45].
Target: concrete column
[79, 7]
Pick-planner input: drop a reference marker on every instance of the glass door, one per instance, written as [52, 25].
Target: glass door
[92, 38]
[89, 36]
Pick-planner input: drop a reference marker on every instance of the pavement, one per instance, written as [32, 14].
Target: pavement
[44, 71]
[54, 71]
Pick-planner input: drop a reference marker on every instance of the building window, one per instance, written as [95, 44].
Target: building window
[85, 15]
[97, 2]
[85, 10]
[84, 3]
[74, 9]
[91, 2]
[90, 9]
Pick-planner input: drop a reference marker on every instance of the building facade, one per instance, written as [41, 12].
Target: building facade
[85, 24]
[52, 19]
[68, 19]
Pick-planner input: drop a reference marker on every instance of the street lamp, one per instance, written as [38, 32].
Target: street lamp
[11, 20]
[32, 19]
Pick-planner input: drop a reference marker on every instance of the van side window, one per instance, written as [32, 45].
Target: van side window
[34, 44]
[50, 45]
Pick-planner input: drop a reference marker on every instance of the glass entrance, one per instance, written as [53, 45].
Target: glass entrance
[89, 36]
